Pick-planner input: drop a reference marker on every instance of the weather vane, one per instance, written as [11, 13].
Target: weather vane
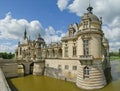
[89, 8]
[89, 3]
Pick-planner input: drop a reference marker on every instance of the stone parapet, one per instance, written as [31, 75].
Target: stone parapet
[3, 83]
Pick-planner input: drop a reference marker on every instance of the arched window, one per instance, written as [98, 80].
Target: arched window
[86, 72]
[60, 52]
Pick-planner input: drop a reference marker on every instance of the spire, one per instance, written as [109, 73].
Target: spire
[25, 34]
[89, 9]
[39, 36]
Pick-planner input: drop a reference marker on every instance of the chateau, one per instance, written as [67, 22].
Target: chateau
[82, 56]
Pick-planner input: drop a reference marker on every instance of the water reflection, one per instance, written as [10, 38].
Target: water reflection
[42, 83]
[115, 70]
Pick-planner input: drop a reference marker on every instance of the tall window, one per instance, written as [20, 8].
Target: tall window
[74, 51]
[66, 67]
[66, 52]
[20, 50]
[85, 24]
[47, 65]
[74, 68]
[59, 67]
[86, 47]
[48, 54]
[86, 72]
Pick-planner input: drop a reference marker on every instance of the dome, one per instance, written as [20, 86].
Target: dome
[39, 38]
[93, 17]
[90, 15]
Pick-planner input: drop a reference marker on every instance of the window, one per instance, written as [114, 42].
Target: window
[47, 65]
[74, 67]
[71, 32]
[86, 72]
[20, 50]
[66, 51]
[66, 67]
[48, 55]
[74, 51]
[85, 24]
[86, 47]
[59, 67]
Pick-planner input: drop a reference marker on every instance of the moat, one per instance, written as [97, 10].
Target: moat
[43, 83]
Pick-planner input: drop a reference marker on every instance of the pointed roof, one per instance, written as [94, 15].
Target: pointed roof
[25, 34]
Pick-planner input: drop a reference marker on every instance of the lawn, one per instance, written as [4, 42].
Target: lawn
[114, 58]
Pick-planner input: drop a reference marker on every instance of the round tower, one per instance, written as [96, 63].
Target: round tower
[91, 47]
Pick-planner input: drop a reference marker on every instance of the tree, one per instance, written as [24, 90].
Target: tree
[6, 55]
[119, 52]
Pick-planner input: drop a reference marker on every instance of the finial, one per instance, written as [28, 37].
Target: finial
[18, 43]
[25, 34]
[89, 3]
[90, 8]
[39, 35]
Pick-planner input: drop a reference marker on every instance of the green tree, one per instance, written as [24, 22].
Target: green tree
[6, 55]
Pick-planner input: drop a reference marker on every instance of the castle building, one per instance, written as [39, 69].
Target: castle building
[82, 56]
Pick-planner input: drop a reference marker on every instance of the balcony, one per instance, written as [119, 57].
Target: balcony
[86, 59]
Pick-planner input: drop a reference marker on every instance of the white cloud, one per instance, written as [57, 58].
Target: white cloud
[108, 9]
[112, 32]
[78, 7]
[62, 4]
[13, 29]
[52, 35]
[7, 47]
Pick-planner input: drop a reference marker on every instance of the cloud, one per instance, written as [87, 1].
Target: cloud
[62, 4]
[52, 35]
[108, 9]
[112, 32]
[8, 47]
[12, 30]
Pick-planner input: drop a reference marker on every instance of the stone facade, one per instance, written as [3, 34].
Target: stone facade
[82, 56]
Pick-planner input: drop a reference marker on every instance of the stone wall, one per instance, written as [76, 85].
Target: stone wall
[3, 83]
[56, 68]
[38, 68]
[10, 69]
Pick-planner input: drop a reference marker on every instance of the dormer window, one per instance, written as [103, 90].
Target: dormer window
[85, 25]
[71, 32]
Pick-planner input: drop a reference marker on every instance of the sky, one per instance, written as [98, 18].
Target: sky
[51, 19]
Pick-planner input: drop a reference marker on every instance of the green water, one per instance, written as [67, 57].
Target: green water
[43, 83]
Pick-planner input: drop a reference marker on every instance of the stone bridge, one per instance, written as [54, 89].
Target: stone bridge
[14, 68]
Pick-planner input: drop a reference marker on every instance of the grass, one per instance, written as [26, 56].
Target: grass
[114, 58]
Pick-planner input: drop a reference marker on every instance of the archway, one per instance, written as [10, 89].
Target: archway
[21, 70]
[31, 68]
